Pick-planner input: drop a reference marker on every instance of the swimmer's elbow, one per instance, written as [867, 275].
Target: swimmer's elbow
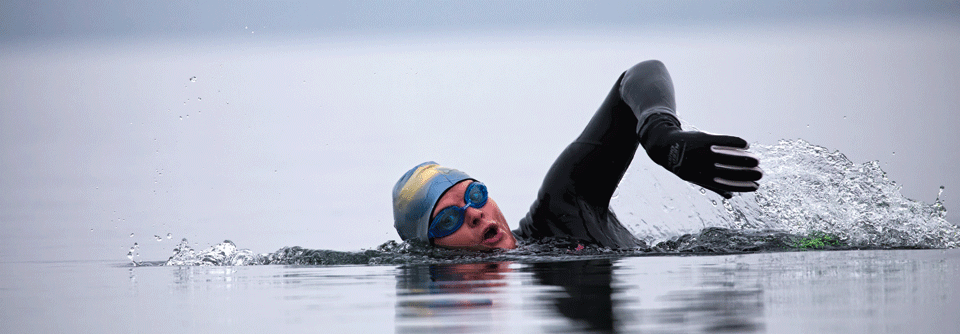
[648, 66]
[647, 85]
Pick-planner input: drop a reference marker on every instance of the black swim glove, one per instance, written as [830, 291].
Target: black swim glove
[715, 162]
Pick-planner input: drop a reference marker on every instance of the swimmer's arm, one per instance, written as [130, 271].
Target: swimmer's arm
[719, 163]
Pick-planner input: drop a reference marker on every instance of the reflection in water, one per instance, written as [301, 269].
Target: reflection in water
[586, 295]
[450, 297]
[186, 277]
[833, 292]
[576, 296]
[721, 303]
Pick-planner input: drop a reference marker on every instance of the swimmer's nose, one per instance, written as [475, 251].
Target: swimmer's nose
[473, 216]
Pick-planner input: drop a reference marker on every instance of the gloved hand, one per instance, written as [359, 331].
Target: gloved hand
[716, 162]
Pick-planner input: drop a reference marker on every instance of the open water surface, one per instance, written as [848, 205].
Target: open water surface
[875, 291]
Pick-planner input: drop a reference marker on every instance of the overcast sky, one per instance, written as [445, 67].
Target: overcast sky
[33, 20]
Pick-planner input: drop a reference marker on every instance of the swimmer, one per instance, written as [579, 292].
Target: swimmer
[447, 208]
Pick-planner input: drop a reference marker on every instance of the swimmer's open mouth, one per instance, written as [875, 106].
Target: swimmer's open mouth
[490, 232]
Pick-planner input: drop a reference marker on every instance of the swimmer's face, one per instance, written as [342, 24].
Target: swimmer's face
[483, 229]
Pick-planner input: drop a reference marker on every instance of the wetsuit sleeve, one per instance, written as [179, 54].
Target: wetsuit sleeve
[574, 198]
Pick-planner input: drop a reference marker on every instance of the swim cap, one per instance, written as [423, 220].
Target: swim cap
[415, 195]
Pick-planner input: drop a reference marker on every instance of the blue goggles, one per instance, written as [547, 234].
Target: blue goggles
[451, 218]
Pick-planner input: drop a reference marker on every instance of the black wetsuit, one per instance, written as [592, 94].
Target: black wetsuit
[574, 200]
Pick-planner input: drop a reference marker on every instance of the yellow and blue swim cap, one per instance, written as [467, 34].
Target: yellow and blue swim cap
[415, 195]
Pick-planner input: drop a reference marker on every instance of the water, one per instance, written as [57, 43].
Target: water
[878, 291]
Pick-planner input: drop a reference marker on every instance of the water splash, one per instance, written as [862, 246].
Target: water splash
[806, 190]
[812, 189]
[225, 253]
[133, 254]
[391, 252]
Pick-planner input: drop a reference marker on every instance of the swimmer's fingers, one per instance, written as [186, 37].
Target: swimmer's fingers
[730, 142]
[735, 169]
[736, 179]
[733, 156]
[737, 173]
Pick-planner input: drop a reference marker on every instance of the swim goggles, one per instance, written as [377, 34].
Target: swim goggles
[451, 218]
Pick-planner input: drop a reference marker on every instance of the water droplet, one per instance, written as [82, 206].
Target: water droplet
[157, 237]
[199, 99]
[169, 236]
[133, 253]
[91, 230]
[808, 125]
[131, 235]
[714, 202]
[703, 191]
[181, 118]
[894, 153]
[844, 117]
[193, 79]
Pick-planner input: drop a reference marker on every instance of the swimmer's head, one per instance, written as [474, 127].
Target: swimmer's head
[415, 195]
[466, 218]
